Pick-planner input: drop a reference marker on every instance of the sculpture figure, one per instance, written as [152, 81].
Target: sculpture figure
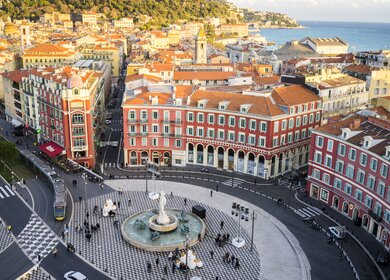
[163, 218]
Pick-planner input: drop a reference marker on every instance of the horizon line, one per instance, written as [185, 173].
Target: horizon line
[345, 21]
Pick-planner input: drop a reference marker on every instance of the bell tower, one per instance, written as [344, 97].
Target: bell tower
[25, 36]
[200, 47]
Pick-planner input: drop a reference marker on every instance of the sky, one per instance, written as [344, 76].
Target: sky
[324, 10]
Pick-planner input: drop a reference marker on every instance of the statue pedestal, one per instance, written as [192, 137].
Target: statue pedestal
[238, 242]
[154, 195]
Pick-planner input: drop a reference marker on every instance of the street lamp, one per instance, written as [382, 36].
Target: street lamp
[85, 193]
[146, 176]
[242, 213]
[233, 177]
[254, 217]
[12, 181]
[187, 246]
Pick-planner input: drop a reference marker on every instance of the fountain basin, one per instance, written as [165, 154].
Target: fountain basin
[145, 237]
[156, 226]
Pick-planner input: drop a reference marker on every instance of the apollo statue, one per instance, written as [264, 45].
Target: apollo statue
[162, 218]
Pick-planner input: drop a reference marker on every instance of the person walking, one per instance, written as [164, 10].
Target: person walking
[185, 201]
[173, 267]
[119, 204]
[222, 224]
[233, 259]
[157, 261]
[129, 202]
[212, 254]
[55, 251]
[165, 269]
[149, 266]
[211, 193]
[237, 265]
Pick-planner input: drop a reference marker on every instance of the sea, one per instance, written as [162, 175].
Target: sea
[361, 36]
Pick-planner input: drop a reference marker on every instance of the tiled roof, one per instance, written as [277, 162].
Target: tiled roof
[46, 48]
[261, 105]
[16, 75]
[202, 75]
[293, 95]
[358, 68]
[135, 77]
[275, 79]
[339, 82]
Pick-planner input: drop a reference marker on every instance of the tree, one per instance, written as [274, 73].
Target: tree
[8, 151]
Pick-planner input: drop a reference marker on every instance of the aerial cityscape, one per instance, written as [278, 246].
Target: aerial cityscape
[202, 140]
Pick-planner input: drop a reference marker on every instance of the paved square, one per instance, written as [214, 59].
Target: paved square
[108, 251]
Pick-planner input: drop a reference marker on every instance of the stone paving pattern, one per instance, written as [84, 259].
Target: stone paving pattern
[36, 274]
[5, 238]
[109, 252]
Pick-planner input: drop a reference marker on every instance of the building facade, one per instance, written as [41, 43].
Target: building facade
[264, 134]
[348, 170]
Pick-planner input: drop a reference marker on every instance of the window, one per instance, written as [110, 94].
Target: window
[210, 132]
[190, 116]
[368, 201]
[318, 116]
[297, 135]
[155, 142]
[318, 157]
[304, 120]
[311, 118]
[381, 189]
[178, 143]
[132, 115]
[319, 141]
[155, 115]
[326, 178]
[221, 120]
[384, 170]
[284, 125]
[386, 216]
[291, 123]
[339, 166]
[329, 147]
[221, 134]
[211, 119]
[350, 171]
[242, 123]
[132, 142]
[232, 121]
[200, 118]
[352, 154]
[298, 122]
[252, 139]
[155, 128]
[261, 141]
[231, 136]
[144, 141]
[371, 182]
[292, 110]
[79, 142]
[360, 176]
[378, 209]
[263, 126]
[316, 174]
[241, 137]
[337, 183]
[190, 131]
[363, 159]
[289, 138]
[303, 133]
[328, 161]
[276, 126]
[341, 150]
[252, 125]
[166, 142]
[144, 115]
[348, 189]
[199, 132]
[374, 164]
[324, 195]
[358, 195]
[132, 129]
[274, 141]
[282, 139]
[77, 118]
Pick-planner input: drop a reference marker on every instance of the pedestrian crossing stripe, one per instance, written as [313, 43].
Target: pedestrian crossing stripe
[308, 212]
[4, 192]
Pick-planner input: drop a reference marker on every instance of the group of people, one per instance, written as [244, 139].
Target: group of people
[69, 247]
[227, 258]
[221, 239]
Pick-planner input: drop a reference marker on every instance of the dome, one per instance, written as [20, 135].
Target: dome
[10, 28]
[75, 81]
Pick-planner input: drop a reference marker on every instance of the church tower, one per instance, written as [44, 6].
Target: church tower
[25, 36]
[200, 47]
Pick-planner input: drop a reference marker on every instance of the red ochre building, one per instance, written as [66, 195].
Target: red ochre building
[349, 171]
[265, 134]
[66, 108]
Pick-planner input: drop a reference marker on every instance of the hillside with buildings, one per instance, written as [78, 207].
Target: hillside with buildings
[264, 19]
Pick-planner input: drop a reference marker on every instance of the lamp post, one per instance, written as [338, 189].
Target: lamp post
[187, 243]
[254, 217]
[12, 181]
[85, 193]
[233, 177]
[146, 176]
[242, 213]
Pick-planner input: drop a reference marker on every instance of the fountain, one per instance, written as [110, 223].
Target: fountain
[162, 230]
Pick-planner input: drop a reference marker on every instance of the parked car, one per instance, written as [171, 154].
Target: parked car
[108, 121]
[74, 275]
[338, 232]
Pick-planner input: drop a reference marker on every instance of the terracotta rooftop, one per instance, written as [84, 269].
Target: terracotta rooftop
[46, 48]
[135, 77]
[16, 76]
[202, 75]
[293, 95]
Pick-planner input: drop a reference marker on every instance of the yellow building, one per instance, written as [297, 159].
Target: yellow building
[379, 83]
[103, 52]
[132, 68]
[174, 36]
[264, 70]
[159, 40]
[89, 18]
[48, 55]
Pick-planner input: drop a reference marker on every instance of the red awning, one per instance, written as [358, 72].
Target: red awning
[51, 149]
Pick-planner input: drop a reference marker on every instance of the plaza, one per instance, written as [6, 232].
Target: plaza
[276, 253]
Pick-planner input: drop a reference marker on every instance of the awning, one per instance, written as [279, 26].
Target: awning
[51, 149]
[16, 122]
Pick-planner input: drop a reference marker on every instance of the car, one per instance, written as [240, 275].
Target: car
[114, 143]
[382, 258]
[338, 231]
[74, 275]
[108, 121]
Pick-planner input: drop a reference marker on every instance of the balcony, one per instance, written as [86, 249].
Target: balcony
[132, 134]
[167, 134]
[132, 121]
[166, 121]
[79, 148]
[144, 120]
[178, 135]
[178, 122]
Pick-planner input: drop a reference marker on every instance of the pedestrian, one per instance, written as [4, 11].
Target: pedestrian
[211, 193]
[9, 228]
[173, 268]
[157, 261]
[165, 269]
[222, 224]
[149, 266]
[217, 187]
[199, 237]
[233, 259]
[39, 258]
[55, 251]
[87, 215]
[212, 254]
[185, 201]
[171, 194]
[237, 265]
[119, 204]
[227, 237]
[129, 202]
[170, 255]
[80, 198]
[63, 235]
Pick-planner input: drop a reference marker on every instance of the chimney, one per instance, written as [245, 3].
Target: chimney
[174, 93]
[356, 123]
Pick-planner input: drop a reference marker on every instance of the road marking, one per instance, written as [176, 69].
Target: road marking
[3, 190]
[9, 190]
[1, 196]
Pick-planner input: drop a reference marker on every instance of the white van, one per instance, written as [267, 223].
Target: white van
[338, 232]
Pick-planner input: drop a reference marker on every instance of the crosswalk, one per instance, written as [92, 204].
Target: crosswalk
[109, 164]
[236, 182]
[6, 192]
[286, 184]
[308, 212]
